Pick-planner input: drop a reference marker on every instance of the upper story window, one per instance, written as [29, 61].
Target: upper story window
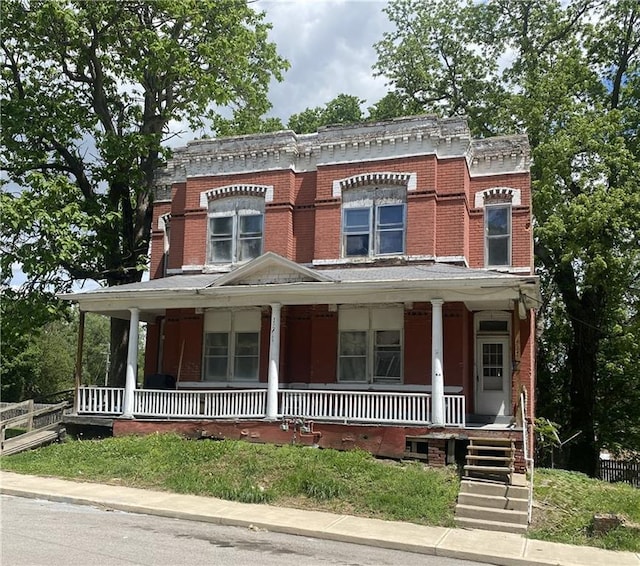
[236, 229]
[497, 228]
[497, 203]
[164, 223]
[373, 221]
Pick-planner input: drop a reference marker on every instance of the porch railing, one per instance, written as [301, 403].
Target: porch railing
[342, 406]
[245, 403]
[373, 407]
[100, 400]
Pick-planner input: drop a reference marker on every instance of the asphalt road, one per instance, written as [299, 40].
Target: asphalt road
[36, 532]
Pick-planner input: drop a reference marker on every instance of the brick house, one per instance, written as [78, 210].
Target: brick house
[368, 285]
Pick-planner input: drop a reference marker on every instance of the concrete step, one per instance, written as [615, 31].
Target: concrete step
[489, 514]
[493, 501]
[496, 489]
[467, 523]
[488, 469]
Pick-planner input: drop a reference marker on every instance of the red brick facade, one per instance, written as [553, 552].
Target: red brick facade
[445, 191]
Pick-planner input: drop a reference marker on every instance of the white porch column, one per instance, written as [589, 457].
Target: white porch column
[274, 362]
[437, 373]
[132, 364]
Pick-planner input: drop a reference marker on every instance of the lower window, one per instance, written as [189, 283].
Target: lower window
[231, 356]
[370, 345]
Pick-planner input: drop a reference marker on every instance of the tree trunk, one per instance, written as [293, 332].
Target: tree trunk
[119, 347]
[583, 451]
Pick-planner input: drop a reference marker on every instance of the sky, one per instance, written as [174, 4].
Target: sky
[329, 44]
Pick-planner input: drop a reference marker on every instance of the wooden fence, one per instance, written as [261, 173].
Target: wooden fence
[620, 471]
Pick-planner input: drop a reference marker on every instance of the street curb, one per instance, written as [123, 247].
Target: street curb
[298, 530]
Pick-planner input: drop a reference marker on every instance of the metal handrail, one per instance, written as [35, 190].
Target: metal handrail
[528, 460]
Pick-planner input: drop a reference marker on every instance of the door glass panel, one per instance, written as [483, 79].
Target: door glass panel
[492, 366]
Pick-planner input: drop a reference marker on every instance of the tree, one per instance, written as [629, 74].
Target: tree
[570, 79]
[343, 109]
[89, 93]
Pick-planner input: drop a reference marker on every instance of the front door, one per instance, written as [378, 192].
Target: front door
[492, 377]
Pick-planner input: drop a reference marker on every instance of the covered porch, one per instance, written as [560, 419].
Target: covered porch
[437, 386]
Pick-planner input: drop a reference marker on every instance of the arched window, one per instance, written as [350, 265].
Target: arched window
[236, 222]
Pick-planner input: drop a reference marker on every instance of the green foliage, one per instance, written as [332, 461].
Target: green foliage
[88, 94]
[343, 109]
[569, 77]
[565, 503]
[352, 481]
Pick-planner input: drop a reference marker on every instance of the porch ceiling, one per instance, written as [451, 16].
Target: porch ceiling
[278, 282]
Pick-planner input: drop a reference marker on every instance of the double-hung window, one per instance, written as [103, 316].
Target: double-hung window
[235, 229]
[497, 225]
[373, 222]
[370, 345]
[231, 345]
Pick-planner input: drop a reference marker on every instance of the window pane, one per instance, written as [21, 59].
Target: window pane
[357, 245]
[251, 224]
[247, 343]
[216, 356]
[388, 338]
[353, 343]
[388, 364]
[222, 226]
[249, 248]
[220, 249]
[388, 355]
[391, 242]
[497, 220]
[498, 250]
[391, 216]
[246, 368]
[246, 355]
[216, 369]
[353, 369]
[356, 220]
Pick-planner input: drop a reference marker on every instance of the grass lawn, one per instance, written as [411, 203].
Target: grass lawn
[565, 503]
[351, 482]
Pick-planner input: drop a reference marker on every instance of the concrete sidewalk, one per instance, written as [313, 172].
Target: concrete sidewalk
[482, 546]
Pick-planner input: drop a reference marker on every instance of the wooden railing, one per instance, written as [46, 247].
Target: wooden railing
[241, 403]
[36, 424]
[100, 400]
[342, 406]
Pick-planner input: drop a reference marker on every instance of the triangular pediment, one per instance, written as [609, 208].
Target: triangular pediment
[270, 269]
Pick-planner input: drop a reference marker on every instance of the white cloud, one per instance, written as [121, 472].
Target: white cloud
[329, 44]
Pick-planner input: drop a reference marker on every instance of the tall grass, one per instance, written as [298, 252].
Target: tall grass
[351, 482]
[565, 503]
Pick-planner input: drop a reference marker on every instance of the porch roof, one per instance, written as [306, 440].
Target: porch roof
[273, 279]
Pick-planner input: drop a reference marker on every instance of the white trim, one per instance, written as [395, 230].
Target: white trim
[515, 195]
[410, 258]
[342, 386]
[509, 236]
[236, 190]
[163, 220]
[375, 178]
[191, 268]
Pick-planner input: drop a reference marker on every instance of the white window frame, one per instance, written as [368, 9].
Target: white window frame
[374, 229]
[234, 208]
[508, 236]
[367, 321]
[232, 324]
